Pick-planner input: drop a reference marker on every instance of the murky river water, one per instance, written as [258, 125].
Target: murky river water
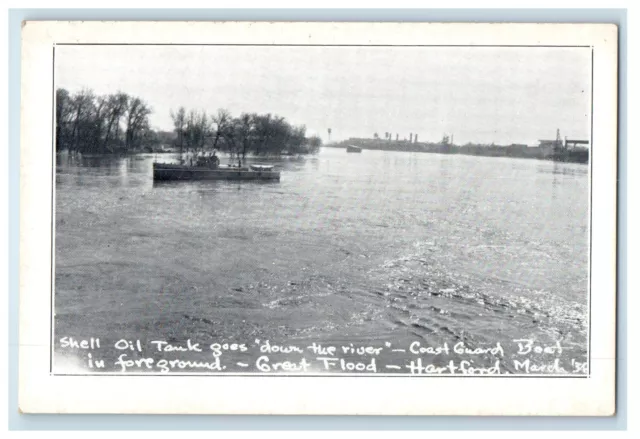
[347, 248]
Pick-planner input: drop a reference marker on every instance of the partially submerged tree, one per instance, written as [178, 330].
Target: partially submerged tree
[313, 144]
[179, 122]
[63, 117]
[220, 122]
[87, 123]
[196, 131]
[117, 105]
[250, 133]
[137, 122]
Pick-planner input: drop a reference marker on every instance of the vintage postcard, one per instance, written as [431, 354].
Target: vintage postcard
[318, 218]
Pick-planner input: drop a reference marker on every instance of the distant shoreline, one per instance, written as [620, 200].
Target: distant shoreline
[577, 155]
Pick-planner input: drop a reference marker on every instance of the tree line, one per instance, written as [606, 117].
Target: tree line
[247, 134]
[89, 123]
[118, 122]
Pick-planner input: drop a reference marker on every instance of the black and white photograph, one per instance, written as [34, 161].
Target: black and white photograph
[432, 198]
[406, 211]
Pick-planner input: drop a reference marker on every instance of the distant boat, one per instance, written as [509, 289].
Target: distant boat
[353, 148]
[163, 171]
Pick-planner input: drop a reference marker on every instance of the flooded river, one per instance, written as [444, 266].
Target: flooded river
[371, 248]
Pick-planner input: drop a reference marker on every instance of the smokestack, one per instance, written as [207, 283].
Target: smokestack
[415, 139]
[410, 137]
[397, 137]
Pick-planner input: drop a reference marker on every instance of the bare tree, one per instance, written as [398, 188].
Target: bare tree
[250, 133]
[82, 103]
[189, 130]
[219, 123]
[203, 130]
[137, 120]
[116, 107]
[196, 131]
[88, 123]
[244, 128]
[63, 116]
[314, 143]
[263, 132]
[179, 121]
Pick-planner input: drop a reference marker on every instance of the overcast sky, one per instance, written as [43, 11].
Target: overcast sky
[484, 95]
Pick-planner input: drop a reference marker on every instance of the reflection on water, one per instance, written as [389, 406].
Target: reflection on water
[378, 245]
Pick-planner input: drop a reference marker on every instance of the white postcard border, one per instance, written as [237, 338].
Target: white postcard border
[42, 392]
